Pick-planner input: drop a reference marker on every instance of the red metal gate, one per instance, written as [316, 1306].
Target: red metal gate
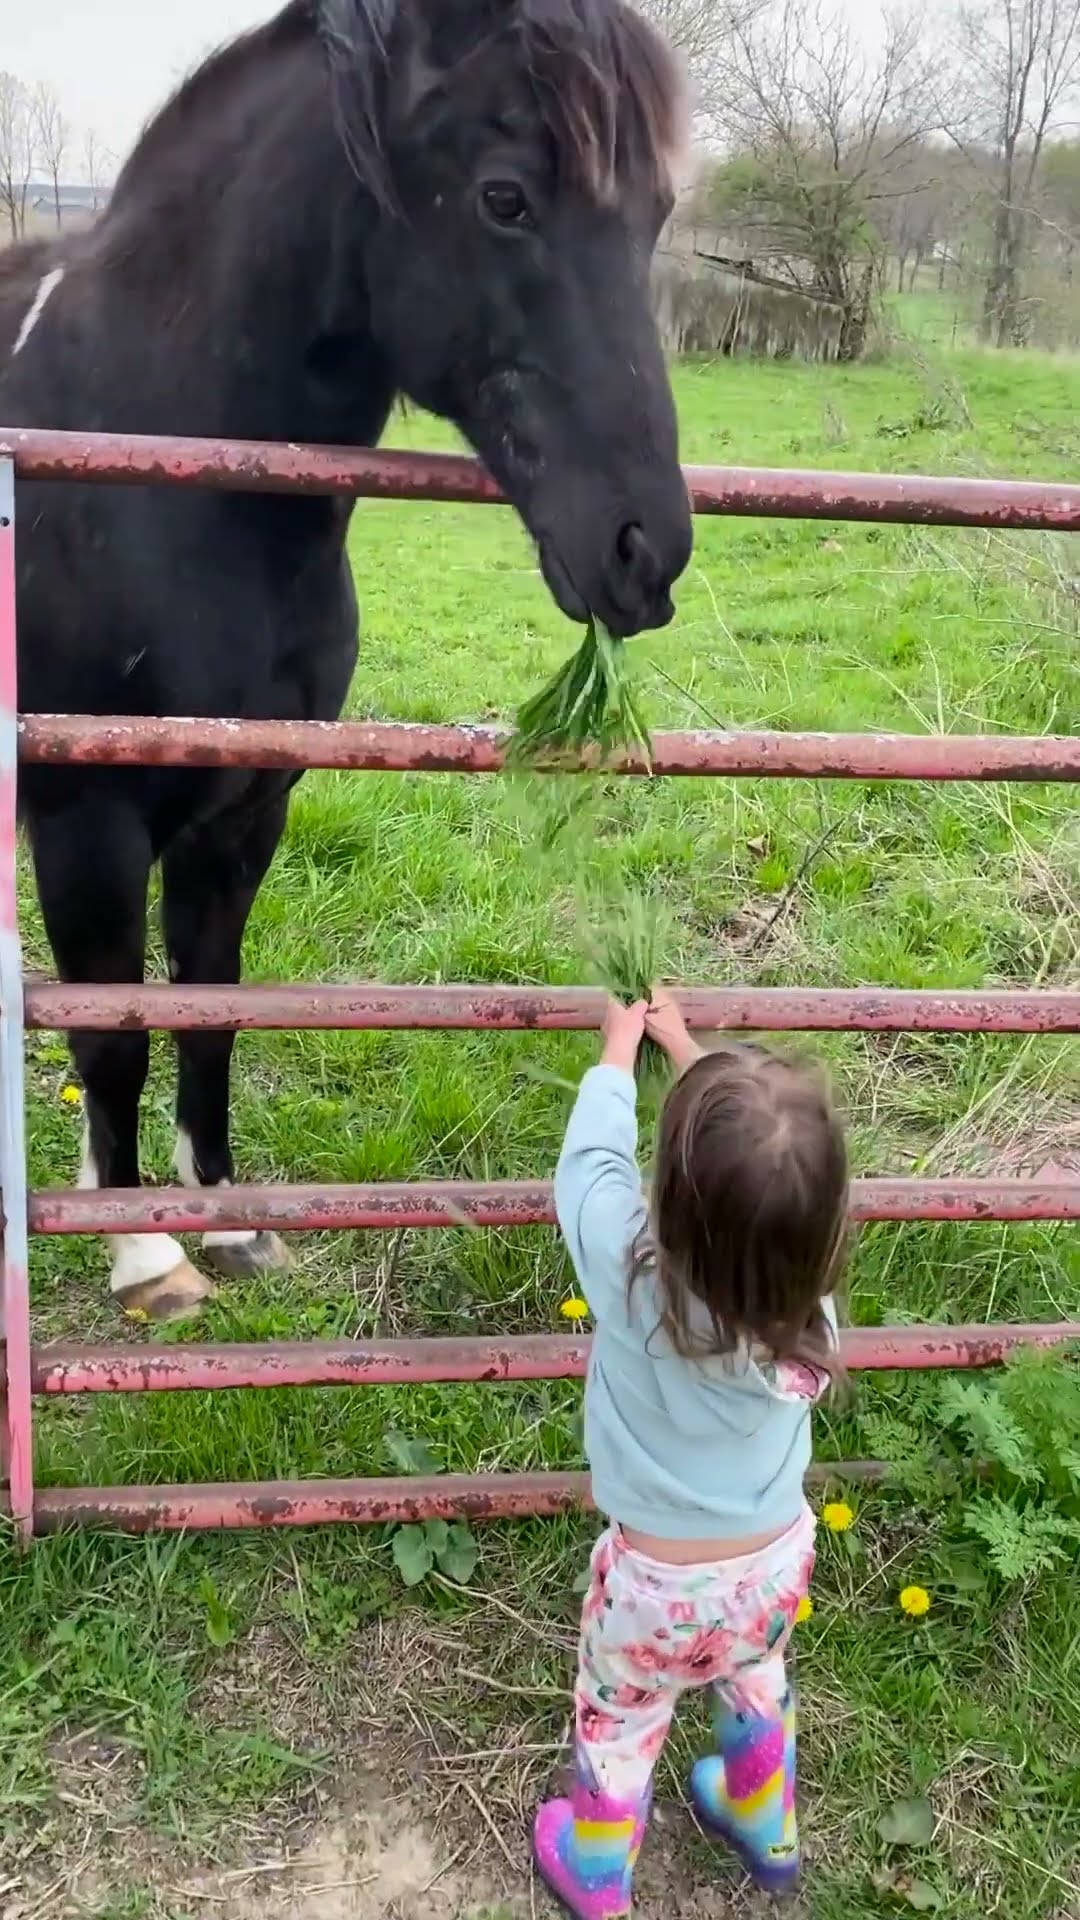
[63, 739]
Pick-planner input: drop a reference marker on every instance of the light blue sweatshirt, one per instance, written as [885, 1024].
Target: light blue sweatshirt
[684, 1449]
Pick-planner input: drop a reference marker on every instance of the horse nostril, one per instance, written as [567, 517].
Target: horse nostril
[642, 571]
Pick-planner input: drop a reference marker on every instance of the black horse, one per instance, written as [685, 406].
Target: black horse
[454, 200]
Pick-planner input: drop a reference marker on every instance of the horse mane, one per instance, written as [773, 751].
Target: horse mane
[610, 90]
[23, 259]
[607, 84]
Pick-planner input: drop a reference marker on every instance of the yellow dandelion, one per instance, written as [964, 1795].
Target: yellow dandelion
[838, 1516]
[804, 1611]
[71, 1096]
[575, 1309]
[915, 1601]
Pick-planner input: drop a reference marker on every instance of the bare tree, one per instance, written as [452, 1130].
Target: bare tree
[821, 131]
[932, 204]
[52, 135]
[1058, 207]
[1021, 65]
[699, 30]
[16, 152]
[99, 164]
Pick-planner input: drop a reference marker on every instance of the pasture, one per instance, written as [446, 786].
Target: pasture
[248, 1726]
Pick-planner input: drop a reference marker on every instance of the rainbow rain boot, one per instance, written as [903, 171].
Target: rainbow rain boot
[745, 1794]
[586, 1847]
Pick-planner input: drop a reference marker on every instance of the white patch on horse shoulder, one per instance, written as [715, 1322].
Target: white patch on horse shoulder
[136, 1257]
[46, 289]
[184, 1162]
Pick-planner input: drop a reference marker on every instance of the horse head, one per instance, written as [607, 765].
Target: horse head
[517, 158]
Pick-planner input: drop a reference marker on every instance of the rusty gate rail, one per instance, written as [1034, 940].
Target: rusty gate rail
[316, 1503]
[61, 739]
[776, 492]
[65, 1369]
[376, 746]
[57, 1007]
[308, 1207]
[364, 473]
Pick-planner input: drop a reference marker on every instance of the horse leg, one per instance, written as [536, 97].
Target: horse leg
[92, 861]
[210, 878]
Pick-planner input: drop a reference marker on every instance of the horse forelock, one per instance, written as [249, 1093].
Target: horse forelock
[611, 92]
[608, 87]
[606, 84]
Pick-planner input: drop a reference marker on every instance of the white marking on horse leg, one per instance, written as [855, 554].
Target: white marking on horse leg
[136, 1257]
[46, 289]
[184, 1159]
[184, 1162]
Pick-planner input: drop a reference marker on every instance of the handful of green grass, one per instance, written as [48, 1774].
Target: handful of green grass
[589, 703]
[627, 957]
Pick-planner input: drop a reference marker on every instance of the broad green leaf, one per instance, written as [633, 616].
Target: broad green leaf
[458, 1558]
[923, 1897]
[413, 1557]
[437, 1533]
[965, 1576]
[907, 1823]
[409, 1455]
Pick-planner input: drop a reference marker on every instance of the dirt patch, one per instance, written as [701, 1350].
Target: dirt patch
[431, 1750]
[376, 1857]
[380, 1860]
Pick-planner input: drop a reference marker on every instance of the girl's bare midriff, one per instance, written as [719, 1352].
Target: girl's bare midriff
[690, 1553]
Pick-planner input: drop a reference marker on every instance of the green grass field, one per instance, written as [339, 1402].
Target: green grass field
[275, 1725]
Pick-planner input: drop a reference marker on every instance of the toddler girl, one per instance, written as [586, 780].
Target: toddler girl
[714, 1336]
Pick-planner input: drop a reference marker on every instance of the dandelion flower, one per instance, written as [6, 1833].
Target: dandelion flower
[915, 1601]
[575, 1309]
[71, 1096]
[838, 1516]
[804, 1611]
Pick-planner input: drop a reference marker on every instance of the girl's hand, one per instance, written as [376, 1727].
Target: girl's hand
[624, 1031]
[665, 1024]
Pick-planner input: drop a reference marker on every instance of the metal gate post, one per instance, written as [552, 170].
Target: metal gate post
[16, 1448]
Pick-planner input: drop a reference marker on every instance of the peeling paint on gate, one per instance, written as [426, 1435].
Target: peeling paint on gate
[382, 473]
[197, 1368]
[372, 746]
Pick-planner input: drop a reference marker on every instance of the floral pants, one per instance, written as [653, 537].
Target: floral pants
[650, 1630]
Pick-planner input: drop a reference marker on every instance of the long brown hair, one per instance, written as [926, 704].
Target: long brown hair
[749, 1207]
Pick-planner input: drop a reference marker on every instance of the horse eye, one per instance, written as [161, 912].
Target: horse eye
[505, 203]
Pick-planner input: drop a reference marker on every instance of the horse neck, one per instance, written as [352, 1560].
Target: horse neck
[227, 265]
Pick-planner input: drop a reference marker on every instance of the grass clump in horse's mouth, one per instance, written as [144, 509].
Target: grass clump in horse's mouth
[589, 704]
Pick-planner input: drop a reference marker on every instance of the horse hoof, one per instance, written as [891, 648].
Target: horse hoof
[241, 1259]
[178, 1295]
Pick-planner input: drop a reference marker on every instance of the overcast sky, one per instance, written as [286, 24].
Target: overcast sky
[112, 61]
